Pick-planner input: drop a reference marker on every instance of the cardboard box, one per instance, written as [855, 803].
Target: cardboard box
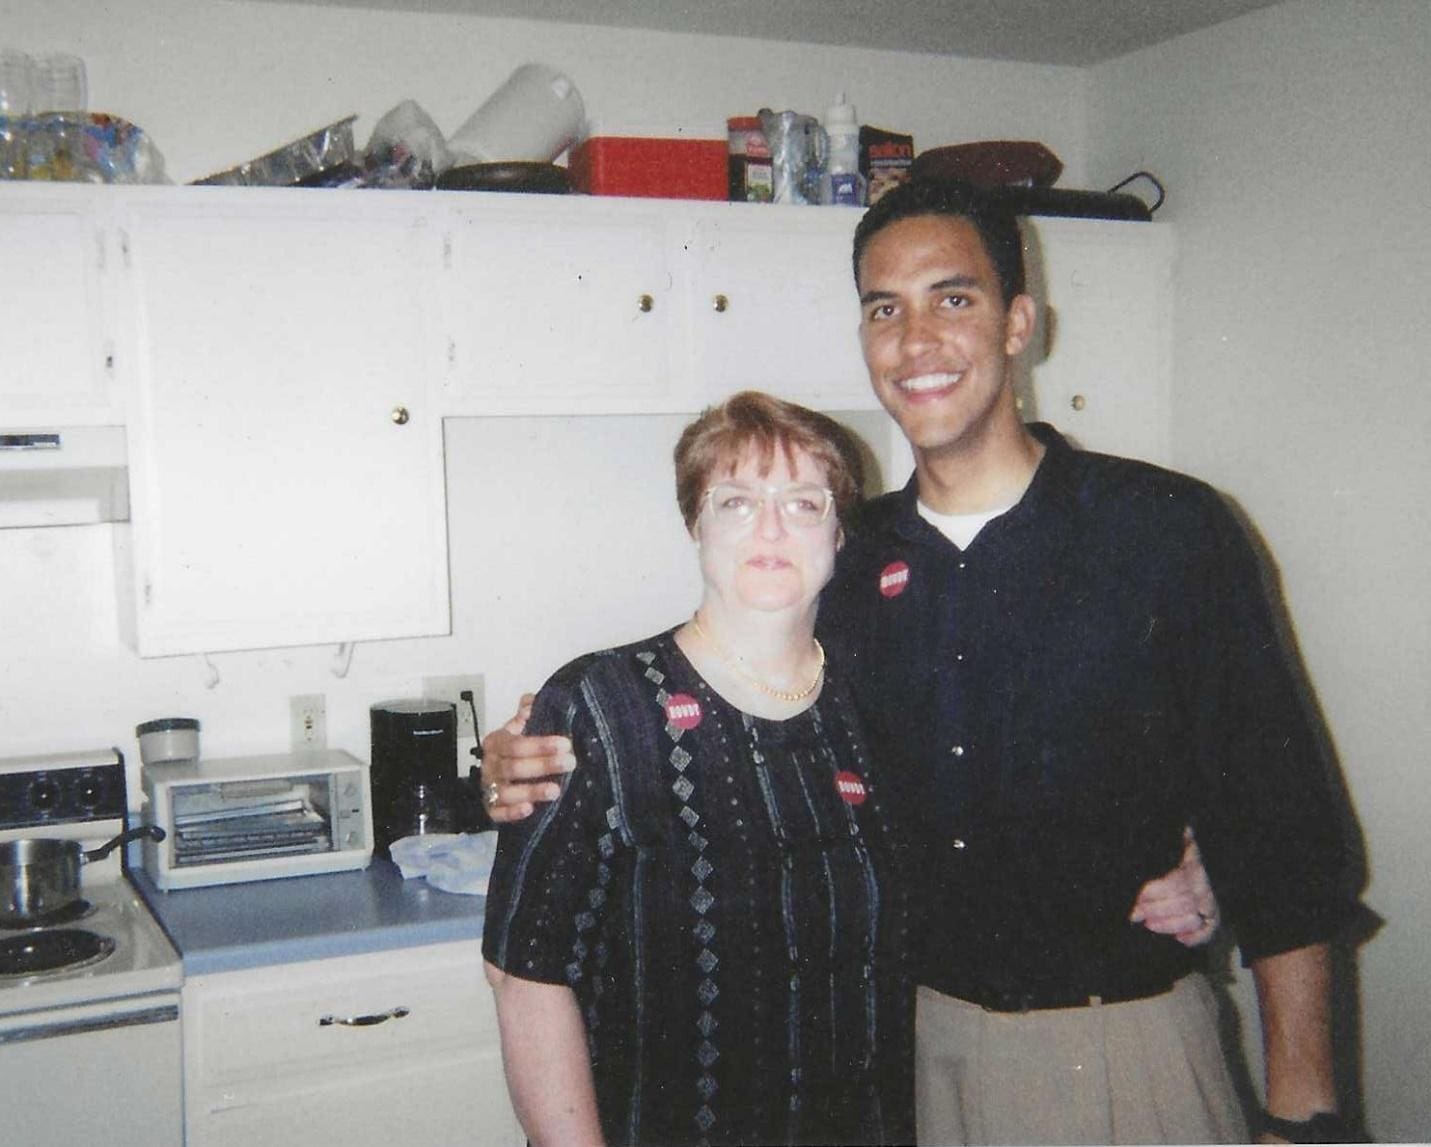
[650, 168]
[885, 160]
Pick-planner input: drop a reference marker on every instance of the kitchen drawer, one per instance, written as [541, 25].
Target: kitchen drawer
[287, 1021]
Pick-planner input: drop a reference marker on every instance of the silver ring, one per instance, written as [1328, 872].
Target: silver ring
[490, 793]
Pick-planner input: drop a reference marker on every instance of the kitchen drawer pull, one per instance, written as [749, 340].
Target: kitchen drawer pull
[362, 1021]
[644, 303]
[29, 441]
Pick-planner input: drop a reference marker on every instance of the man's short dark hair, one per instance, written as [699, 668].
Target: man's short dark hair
[997, 225]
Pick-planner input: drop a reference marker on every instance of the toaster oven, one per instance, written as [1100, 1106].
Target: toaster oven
[257, 818]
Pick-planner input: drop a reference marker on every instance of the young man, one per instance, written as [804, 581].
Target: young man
[1068, 658]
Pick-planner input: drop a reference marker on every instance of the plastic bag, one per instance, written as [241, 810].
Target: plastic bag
[799, 151]
[78, 147]
[406, 149]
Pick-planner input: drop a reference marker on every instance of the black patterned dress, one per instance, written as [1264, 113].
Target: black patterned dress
[719, 892]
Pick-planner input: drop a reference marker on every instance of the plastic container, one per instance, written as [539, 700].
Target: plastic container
[651, 168]
[61, 83]
[842, 184]
[168, 739]
[533, 117]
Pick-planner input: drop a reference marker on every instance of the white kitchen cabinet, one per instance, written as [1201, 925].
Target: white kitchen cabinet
[61, 414]
[282, 361]
[772, 306]
[381, 1048]
[555, 307]
[285, 438]
[1101, 358]
[603, 306]
[56, 350]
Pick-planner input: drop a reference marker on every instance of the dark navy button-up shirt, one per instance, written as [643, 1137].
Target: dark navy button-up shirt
[1099, 668]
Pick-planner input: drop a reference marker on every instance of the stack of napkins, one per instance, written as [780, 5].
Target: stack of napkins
[453, 862]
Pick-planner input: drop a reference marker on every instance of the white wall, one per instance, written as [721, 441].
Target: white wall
[1294, 145]
[215, 82]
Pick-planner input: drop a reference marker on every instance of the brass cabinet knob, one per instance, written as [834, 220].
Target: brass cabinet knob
[645, 302]
[400, 415]
[720, 304]
[1079, 402]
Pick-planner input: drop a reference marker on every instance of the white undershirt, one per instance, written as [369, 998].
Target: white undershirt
[961, 529]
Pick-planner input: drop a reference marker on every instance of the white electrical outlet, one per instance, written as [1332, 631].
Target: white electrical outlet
[451, 689]
[308, 721]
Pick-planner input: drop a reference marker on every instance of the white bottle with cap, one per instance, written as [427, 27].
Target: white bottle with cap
[842, 182]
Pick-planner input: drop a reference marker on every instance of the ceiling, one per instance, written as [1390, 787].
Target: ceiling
[1075, 32]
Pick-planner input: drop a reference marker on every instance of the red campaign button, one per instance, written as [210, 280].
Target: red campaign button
[683, 711]
[894, 579]
[850, 787]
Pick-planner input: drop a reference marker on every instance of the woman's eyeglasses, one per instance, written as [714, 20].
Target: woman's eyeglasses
[801, 506]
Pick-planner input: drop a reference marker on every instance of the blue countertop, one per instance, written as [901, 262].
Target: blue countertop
[233, 926]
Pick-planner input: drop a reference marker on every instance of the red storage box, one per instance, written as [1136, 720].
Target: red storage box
[650, 168]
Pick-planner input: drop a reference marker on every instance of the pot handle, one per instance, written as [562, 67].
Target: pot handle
[151, 831]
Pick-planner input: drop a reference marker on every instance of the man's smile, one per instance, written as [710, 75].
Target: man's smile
[920, 384]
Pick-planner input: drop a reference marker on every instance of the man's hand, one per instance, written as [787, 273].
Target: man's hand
[1181, 903]
[516, 769]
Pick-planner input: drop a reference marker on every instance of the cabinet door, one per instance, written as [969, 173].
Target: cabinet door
[285, 445]
[772, 305]
[1101, 358]
[382, 1048]
[55, 360]
[558, 307]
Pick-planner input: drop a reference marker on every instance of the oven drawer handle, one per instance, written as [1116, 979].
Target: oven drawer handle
[362, 1021]
[161, 1014]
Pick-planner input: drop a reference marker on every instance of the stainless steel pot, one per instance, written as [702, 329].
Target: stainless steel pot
[41, 875]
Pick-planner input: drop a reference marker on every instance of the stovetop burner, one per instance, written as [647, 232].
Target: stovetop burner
[54, 950]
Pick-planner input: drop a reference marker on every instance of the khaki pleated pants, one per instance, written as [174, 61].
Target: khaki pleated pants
[1145, 1071]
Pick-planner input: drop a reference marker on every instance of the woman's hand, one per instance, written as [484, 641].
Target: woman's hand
[1180, 903]
[517, 770]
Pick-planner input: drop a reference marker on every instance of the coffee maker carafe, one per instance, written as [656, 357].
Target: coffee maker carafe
[414, 769]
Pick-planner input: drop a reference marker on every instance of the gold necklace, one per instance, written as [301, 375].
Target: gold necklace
[735, 663]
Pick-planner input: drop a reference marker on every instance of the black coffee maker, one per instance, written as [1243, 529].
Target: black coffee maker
[414, 769]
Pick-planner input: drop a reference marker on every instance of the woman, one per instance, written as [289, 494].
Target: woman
[701, 940]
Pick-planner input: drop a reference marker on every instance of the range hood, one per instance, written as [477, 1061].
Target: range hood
[63, 477]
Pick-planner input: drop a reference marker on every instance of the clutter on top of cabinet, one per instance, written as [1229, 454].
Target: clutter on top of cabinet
[885, 160]
[650, 165]
[533, 178]
[799, 150]
[406, 149]
[992, 163]
[749, 170]
[1021, 174]
[47, 132]
[789, 158]
[842, 184]
[534, 116]
[318, 154]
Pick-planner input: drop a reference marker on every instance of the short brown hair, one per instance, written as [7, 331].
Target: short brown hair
[723, 433]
